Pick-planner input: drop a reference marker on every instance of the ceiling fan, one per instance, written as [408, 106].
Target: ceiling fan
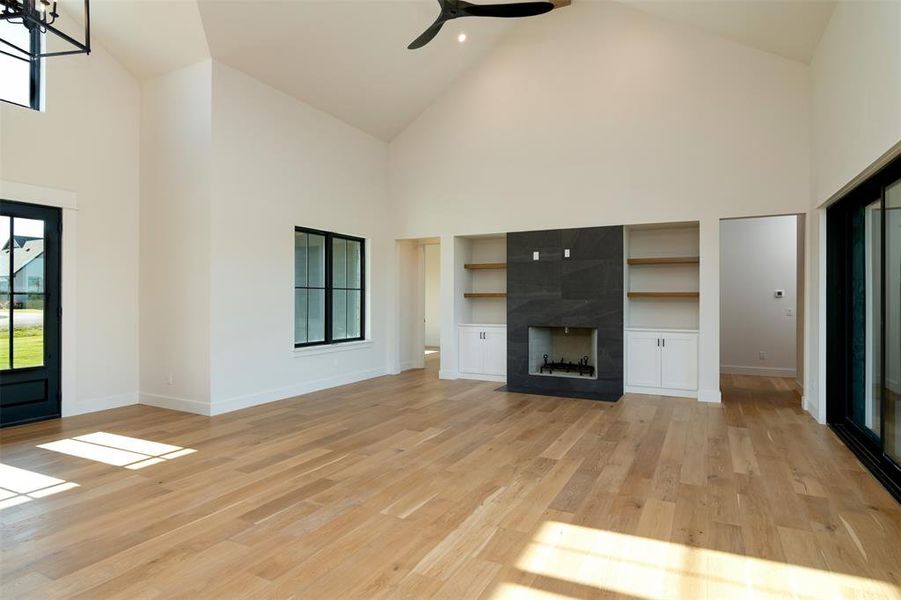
[455, 9]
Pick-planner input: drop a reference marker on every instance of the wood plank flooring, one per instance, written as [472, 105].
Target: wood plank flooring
[411, 487]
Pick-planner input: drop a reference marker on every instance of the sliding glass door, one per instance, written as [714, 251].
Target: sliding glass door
[863, 318]
[893, 320]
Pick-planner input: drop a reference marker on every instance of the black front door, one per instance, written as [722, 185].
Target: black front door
[30, 312]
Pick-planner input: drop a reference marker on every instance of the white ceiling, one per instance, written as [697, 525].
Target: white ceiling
[789, 28]
[349, 57]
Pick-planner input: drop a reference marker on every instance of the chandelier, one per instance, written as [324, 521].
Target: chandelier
[38, 17]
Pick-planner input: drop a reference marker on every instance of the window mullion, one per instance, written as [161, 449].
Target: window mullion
[328, 287]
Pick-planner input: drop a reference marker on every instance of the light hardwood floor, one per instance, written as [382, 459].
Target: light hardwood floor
[411, 487]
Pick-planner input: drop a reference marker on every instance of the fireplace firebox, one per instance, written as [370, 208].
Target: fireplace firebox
[563, 352]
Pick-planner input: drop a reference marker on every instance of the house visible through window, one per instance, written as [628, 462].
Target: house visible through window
[20, 76]
[329, 287]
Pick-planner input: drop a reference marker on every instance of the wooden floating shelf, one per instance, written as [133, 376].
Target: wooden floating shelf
[665, 260]
[485, 295]
[477, 266]
[664, 294]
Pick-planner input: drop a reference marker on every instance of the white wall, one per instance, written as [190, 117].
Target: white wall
[176, 142]
[855, 126]
[432, 254]
[87, 143]
[757, 257]
[278, 163]
[602, 115]
[856, 93]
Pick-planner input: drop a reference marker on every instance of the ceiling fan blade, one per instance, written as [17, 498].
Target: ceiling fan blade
[507, 11]
[427, 35]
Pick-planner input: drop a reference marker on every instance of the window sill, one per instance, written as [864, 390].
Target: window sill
[330, 348]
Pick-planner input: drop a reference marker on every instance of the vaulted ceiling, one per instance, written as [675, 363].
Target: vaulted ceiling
[349, 57]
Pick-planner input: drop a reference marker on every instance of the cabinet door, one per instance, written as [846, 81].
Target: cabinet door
[470, 350]
[679, 361]
[643, 358]
[495, 347]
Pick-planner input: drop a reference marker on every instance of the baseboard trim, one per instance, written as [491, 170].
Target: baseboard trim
[240, 402]
[180, 404]
[481, 377]
[655, 391]
[714, 396]
[81, 407]
[447, 374]
[759, 371]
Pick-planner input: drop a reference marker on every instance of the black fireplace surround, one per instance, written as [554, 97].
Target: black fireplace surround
[584, 290]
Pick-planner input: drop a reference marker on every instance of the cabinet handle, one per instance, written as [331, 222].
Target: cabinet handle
[658, 342]
[664, 342]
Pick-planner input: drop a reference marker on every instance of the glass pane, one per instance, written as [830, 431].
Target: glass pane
[28, 330]
[339, 315]
[4, 331]
[300, 259]
[300, 316]
[316, 261]
[28, 255]
[353, 264]
[353, 314]
[316, 310]
[15, 74]
[5, 249]
[339, 263]
[893, 320]
[866, 301]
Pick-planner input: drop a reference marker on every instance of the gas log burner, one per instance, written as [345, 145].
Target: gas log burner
[583, 367]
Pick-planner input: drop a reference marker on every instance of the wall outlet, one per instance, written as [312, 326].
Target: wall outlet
[779, 294]
[789, 312]
[761, 355]
[535, 255]
[566, 253]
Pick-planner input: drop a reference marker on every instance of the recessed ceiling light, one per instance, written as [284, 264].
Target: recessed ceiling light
[461, 37]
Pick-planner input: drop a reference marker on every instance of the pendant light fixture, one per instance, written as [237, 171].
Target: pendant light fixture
[39, 18]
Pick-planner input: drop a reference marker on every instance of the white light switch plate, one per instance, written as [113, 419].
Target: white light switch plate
[566, 253]
[535, 255]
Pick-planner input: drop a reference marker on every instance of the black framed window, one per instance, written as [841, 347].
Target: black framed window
[20, 76]
[329, 287]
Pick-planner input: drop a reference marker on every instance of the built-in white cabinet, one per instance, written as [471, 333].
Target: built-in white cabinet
[483, 352]
[662, 362]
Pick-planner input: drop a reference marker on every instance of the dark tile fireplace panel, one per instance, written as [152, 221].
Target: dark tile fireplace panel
[585, 290]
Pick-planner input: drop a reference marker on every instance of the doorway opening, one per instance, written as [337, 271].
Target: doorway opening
[762, 305]
[420, 306]
[431, 257]
[30, 315]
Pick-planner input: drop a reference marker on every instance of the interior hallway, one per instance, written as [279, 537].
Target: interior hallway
[477, 493]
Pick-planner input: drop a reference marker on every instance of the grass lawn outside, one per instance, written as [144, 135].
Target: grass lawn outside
[29, 347]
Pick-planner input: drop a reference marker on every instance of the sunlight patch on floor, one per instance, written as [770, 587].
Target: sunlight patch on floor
[649, 568]
[18, 486]
[117, 450]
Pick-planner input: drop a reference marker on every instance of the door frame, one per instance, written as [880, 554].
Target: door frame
[68, 201]
[838, 268]
[49, 371]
